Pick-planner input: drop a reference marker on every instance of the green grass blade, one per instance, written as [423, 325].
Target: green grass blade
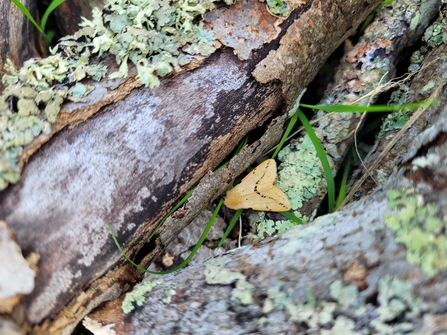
[25, 11]
[54, 4]
[230, 226]
[371, 16]
[177, 206]
[324, 161]
[376, 108]
[118, 245]
[290, 126]
[342, 192]
[186, 261]
[292, 217]
[238, 150]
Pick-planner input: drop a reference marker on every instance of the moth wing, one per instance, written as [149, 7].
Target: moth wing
[271, 199]
[257, 191]
[262, 175]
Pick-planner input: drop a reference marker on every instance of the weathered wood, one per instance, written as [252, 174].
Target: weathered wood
[264, 288]
[17, 35]
[363, 69]
[432, 71]
[144, 149]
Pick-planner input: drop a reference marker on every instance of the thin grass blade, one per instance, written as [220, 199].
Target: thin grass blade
[342, 192]
[324, 161]
[54, 4]
[375, 108]
[290, 126]
[230, 226]
[25, 11]
[292, 217]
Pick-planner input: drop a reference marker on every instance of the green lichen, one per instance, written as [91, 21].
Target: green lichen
[396, 120]
[419, 228]
[429, 86]
[436, 34]
[157, 36]
[300, 172]
[168, 293]
[277, 7]
[395, 312]
[217, 273]
[381, 176]
[137, 295]
[414, 22]
[267, 227]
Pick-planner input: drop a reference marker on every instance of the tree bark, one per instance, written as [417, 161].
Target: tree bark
[17, 35]
[249, 291]
[265, 288]
[145, 148]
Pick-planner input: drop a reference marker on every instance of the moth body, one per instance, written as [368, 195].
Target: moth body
[256, 191]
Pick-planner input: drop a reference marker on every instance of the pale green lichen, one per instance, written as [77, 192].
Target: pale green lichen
[414, 22]
[265, 227]
[137, 295]
[158, 36]
[168, 293]
[217, 273]
[419, 228]
[381, 176]
[300, 172]
[277, 7]
[395, 311]
[436, 34]
[396, 120]
[429, 86]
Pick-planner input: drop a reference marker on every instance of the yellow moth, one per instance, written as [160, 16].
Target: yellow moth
[257, 191]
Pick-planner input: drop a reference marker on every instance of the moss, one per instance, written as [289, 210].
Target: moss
[419, 228]
[137, 295]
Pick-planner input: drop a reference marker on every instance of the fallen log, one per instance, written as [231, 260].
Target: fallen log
[143, 149]
[378, 265]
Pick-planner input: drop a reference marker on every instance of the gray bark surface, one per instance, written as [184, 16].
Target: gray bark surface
[364, 68]
[352, 245]
[145, 148]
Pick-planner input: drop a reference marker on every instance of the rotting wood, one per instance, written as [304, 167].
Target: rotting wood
[118, 168]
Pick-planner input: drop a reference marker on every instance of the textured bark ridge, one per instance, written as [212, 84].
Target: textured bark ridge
[143, 149]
